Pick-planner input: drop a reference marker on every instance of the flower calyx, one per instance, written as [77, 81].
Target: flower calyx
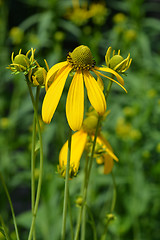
[72, 171]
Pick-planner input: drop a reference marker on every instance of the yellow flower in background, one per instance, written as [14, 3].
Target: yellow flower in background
[16, 34]
[83, 140]
[119, 18]
[98, 12]
[78, 15]
[81, 62]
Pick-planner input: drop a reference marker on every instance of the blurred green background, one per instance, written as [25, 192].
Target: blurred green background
[55, 27]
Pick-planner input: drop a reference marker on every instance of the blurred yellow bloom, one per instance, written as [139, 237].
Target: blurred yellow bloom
[16, 34]
[119, 18]
[125, 130]
[99, 12]
[4, 122]
[130, 111]
[130, 34]
[158, 147]
[151, 93]
[82, 140]
[81, 62]
[79, 15]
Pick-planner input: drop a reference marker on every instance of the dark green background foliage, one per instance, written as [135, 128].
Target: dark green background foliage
[132, 127]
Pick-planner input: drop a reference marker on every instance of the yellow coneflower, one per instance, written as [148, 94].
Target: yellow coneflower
[81, 62]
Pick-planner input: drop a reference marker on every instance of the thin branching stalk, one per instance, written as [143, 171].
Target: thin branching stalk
[33, 155]
[41, 166]
[63, 232]
[83, 228]
[11, 206]
[70, 216]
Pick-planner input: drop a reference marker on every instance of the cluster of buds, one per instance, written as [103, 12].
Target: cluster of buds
[33, 72]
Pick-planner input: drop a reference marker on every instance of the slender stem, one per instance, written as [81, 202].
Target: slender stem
[108, 88]
[93, 147]
[33, 158]
[114, 193]
[41, 166]
[70, 215]
[83, 229]
[11, 206]
[87, 180]
[66, 187]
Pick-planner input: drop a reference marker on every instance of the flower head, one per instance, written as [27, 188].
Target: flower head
[80, 62]
[83, 140]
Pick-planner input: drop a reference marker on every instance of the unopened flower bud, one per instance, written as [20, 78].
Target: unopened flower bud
[79, 201]
[115, 60]
[39, 76]
[90, 123]
[21, 60]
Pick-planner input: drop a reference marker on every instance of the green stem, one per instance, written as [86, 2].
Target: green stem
[70, 215]
[87, 180]
[33, 158]
[83, 230]
[114, 193]
[108, 88]
[11, 206]
[66, 187]
[41, 166]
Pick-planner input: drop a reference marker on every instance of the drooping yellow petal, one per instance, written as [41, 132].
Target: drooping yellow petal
[99, 80]
[113, 81]
[77, 147]
[95, 94]
[102, 141]
[108, 163]
[109, 70]
[75, 102]
[53, 70]
[53, 94]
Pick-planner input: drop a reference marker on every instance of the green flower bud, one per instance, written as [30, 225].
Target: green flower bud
[90, 123]
[115, 60]
[21, 60]
[39, 76]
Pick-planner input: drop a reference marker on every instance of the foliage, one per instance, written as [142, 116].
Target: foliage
[54, 28]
